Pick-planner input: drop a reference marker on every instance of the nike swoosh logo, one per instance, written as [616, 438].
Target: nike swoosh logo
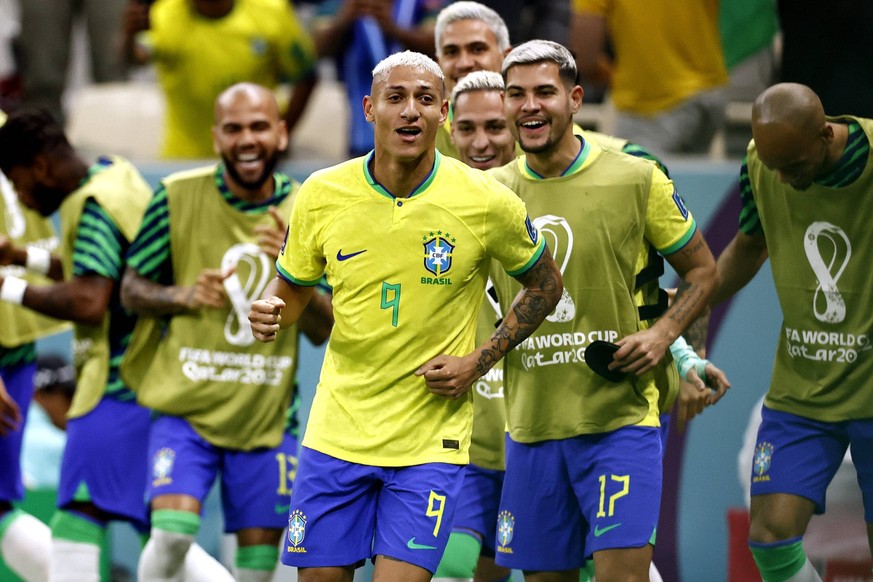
[414, 546]
[599, 532]
[341, 257]
[281, 509]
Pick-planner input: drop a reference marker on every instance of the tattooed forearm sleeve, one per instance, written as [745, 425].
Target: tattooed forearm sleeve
[146, 297]
[542, 287]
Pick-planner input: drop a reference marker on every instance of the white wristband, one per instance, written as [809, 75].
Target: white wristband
[12, 290]
[38, 260]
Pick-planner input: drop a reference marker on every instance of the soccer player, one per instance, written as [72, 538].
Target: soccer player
[103, 471]
[484, 141]
[406, 237]
[201, 47]
[26, 239]
[193, 270]
[583, 457]
[805, 187]
[469, 37]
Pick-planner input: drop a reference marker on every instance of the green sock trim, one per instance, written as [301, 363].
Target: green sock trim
[778, 562]
[69, 526]
[257, 557]
[460, 557]
[143, 540]
[181, 522]
[7, 520]
[586, 572]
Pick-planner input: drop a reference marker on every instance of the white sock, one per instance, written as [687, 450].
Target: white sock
[200, 566]
[806, 574]
[654, 575]
[249, 575]
[74, 561]
[163, 558]
[26, 547]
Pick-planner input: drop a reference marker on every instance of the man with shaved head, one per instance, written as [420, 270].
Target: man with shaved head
[805, 186]
[203, 253]
[406, 237]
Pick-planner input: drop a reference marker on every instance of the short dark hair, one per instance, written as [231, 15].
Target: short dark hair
[26, 134]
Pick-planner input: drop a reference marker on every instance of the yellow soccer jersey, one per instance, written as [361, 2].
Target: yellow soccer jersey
[260, 41]
[659, 63]
[408, 277]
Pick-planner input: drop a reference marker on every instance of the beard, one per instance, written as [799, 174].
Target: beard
[557, 130]
[47, 200]
[270, 164]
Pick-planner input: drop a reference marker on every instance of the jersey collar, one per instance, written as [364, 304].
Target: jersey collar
[371, 180]
[579, 162]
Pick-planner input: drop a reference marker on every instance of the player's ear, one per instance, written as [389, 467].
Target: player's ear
[368, 109]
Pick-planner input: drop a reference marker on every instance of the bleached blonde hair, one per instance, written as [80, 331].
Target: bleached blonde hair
[478, 81]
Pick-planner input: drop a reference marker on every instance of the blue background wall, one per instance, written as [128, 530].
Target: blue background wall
[743, 340]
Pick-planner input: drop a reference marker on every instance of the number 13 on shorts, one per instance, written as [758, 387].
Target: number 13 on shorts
[435, 505]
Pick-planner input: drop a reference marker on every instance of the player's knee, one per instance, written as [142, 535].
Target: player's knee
[171, 544]
[766, 528]
[173, 533]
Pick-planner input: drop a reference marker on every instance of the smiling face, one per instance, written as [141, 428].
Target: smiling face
[480, 132]
[249, 136]
[406, 105]
[467, 46]
[539, 106]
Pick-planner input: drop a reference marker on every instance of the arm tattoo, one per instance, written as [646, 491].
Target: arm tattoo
[697, 333]
[149, 298]
[538, 297]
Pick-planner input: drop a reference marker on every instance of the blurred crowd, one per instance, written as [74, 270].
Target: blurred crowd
[671, 91]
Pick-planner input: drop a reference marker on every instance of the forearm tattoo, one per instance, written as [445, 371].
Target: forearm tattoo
[149, 298]
[535, 301]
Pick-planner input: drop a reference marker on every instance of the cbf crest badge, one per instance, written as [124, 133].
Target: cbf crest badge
[296, 527]
[761, 462]
[505, 527]
[438, 249]
[162, 466]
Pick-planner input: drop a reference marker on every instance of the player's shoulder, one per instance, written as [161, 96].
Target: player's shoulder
[461, 175]
[506, 174]
[186, 178]
[333, 184]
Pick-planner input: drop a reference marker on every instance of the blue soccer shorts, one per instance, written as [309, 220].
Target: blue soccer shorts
[565, 499]
[343, 513]
[255, 485]
[19, 384]
[105, 460]
[800, 456]
[478, 506]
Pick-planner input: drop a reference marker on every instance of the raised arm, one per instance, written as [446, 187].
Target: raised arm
[281, 305]
[32, 258]
[81, 299]
[146, 297]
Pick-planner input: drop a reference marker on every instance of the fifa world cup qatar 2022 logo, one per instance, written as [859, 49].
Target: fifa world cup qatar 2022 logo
[252, 272]
[559, 236]
[828, 251]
